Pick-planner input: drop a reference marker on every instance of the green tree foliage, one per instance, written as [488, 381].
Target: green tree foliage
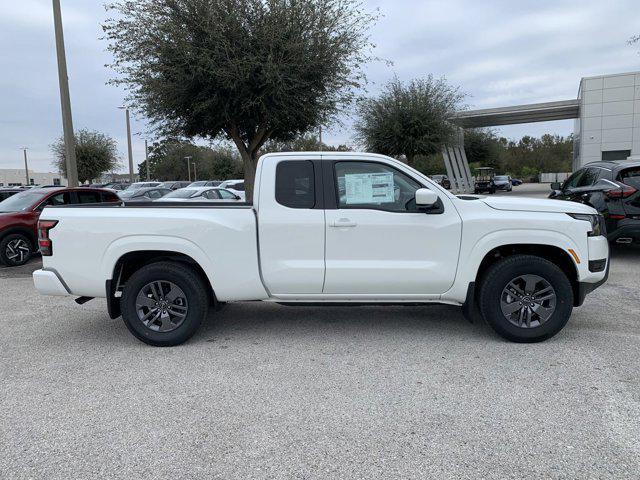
[167, 161]
[96, 153]
[409, 119]
[246, 70]
[304, 143]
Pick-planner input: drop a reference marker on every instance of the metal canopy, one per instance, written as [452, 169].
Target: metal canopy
[535, 112]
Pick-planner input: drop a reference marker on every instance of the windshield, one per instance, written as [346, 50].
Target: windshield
[500, 178]
[21, 201]
[198, 184]
[182, 193]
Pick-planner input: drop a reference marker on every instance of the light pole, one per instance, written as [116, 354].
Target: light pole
[188, 159]
[65, 99]
[129, 148]
[195, 174]
[26, 165]
[146, 158]
[320, 136]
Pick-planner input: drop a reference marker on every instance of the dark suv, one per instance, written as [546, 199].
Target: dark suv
[612, 189]
[19, 217]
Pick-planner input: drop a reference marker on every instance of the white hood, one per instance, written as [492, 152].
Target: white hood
[525, 204]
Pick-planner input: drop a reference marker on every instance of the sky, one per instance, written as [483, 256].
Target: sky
[499, 52]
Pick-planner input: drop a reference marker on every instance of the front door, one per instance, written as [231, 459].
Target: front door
[379, 243]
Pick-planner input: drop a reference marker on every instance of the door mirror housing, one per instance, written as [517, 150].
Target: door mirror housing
[425, 198]
[556, 186]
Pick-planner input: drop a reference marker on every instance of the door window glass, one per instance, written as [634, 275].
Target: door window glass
[227, 195]
[88, 197]
[211, 195]
[153, 194]
[572, 181]
[589, 178]
[295, 184]
[374, 185]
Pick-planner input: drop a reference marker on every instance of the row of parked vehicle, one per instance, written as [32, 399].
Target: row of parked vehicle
[485, 181]
[20, 208]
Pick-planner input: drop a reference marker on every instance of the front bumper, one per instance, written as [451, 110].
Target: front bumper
[592, 279]
[48, 282]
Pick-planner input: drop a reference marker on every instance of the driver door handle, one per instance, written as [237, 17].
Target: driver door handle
[343, 222]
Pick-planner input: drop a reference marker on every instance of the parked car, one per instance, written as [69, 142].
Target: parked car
[201, 194]
[8, 192]
[19, 216]
[205, 183]
[442, 180]
[329, 228]
[612, 189]
[146, 194]
[484, 180]
[235, 186]
[503, 182]
[174, 185]
[516, 182]
[138, 185]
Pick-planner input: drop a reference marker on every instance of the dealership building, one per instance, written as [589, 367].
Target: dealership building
[16, 177]
[606, 116]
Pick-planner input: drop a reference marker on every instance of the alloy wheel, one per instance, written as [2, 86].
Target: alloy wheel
[18, 250]
[161, 306]
[528, 301]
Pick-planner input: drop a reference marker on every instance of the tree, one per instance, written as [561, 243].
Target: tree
[409, 119]
[96, 153]
[482, 147]
[304, 143]
[246, 70]
[167, 161]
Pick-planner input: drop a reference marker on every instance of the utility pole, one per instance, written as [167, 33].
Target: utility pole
[320, 136]
[26, 165]
[188, 159]
[65, 99]
[129, 148]
[146, 158]
[195, 174]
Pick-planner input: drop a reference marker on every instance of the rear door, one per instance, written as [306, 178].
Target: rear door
[378, 243]
[291, 227]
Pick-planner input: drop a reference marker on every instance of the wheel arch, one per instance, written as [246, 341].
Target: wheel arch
[21, 230]
[130, 262]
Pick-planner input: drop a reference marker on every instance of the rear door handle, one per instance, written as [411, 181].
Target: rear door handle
[343, 222]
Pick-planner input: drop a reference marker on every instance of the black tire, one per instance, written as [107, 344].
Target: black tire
[501, 274]
[15, 249]
[194, 290]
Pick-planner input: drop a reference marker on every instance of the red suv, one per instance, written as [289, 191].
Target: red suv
[19, 217]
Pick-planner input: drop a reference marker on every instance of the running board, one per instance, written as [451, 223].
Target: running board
[83, 300]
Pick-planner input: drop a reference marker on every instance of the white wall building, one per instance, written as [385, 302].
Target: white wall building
[10, 177]
[608, 127]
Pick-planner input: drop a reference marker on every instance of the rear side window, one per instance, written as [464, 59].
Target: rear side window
[295, 184]
[631, 177]
[88, 197]
[110, 197]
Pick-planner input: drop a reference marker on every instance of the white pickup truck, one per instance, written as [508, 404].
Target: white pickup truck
[328, 228]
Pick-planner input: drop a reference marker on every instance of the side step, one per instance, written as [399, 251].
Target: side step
[83, 300]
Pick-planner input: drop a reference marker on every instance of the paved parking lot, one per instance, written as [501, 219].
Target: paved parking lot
[265, 391]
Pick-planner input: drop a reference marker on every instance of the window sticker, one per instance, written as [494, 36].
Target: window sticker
[373, 188]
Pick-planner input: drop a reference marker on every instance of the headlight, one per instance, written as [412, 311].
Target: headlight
[594, 220]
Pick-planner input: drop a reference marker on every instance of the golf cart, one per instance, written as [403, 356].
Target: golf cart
[484, 180]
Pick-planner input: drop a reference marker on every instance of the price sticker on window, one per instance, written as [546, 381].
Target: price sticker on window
[369, 188]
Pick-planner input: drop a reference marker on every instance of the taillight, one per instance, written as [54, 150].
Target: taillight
[623, 192]
[44, 242]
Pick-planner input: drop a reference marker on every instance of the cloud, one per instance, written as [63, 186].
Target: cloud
[501, 52]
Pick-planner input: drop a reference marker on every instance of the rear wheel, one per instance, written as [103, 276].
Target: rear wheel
[15, 249]
[163, 304]
[525, 298]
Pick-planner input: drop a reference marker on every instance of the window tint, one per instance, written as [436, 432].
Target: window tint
[573, 180]
[110, 197]
[211, 195]
[225, 194]
[373, 185]
[88, 197]
[589, 178]
[631, 177]
[294, 184]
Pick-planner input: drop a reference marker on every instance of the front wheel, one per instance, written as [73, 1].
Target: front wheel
[15, 250]
[163, 304]
[526, 299]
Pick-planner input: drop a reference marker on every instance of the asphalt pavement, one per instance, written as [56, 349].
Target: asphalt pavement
[266, 391]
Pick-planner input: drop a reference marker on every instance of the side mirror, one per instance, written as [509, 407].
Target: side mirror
[425, 198]
[556, 186]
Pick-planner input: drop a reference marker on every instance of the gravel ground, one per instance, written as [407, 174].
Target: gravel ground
[265, 391]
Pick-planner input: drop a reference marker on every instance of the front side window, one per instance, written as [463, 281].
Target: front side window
[295, 184]
[211, 195]
[226, 194]
[573, 180]
[88, 197]
[376, 186]
[589, 178]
